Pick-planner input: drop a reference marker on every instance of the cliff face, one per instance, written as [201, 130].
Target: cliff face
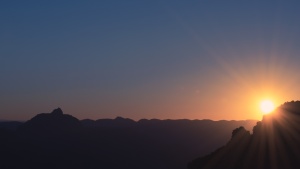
[274, 144]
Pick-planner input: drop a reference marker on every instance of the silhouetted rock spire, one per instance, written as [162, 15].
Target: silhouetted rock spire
[241, 131]
[57, 111]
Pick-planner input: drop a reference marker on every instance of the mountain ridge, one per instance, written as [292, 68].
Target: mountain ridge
[111, 143]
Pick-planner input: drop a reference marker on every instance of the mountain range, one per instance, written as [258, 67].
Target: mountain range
[57, 140]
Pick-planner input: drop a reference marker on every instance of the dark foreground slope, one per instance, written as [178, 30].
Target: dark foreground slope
[274, 144]
[56, 140]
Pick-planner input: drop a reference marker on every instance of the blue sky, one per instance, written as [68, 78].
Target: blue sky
[146, 59]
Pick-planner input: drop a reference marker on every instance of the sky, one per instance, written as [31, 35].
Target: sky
[164, 59]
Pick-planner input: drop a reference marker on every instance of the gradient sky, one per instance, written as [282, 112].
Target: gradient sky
[163, 59]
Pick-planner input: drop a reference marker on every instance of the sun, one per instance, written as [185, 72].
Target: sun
[267, 106]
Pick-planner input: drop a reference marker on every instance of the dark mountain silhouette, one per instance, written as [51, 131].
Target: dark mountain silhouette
[274, 144]
[50, 123]
[114, 123]
[56, 140]
[10, 125]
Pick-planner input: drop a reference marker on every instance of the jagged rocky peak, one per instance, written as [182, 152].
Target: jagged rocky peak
[238, 132]
[57, 111]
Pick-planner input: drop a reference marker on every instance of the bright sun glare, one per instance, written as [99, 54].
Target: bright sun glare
[267, 106]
